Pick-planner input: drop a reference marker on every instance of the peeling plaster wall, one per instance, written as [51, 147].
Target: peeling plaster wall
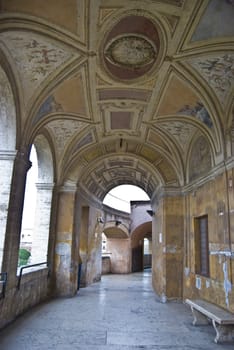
[90, 246]
[216, 199]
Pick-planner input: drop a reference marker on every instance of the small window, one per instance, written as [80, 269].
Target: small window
[201, 246]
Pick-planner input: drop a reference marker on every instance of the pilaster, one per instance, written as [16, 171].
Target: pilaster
[65, 262]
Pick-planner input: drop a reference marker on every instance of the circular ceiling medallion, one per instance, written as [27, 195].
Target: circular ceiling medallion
[131, 48]
[130, 51]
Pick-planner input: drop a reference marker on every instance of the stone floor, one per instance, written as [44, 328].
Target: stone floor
[121, 312]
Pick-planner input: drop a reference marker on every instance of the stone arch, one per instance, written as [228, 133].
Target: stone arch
[137, 244]
[7, 150]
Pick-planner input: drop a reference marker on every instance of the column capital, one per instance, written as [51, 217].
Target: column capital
[22, 159]
[68, 188]
[7, 155]
[44, 186]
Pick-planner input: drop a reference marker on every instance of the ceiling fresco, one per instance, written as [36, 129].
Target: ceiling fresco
[218, 71]
[212, 23]
[62, 132]
[36, 57]
[126, 91]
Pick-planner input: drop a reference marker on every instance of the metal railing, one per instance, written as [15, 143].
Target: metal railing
[3, 282]
[26, 267]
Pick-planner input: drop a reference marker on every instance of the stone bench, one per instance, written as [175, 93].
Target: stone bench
[222, 320]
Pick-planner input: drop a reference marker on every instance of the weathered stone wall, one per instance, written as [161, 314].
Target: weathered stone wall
[66, 257]
[106, 265]
[215, 199]
[90, 245]
[167, 248]
[33, 290]
[139, 213]
[174, 228]
[120, 255]
[158, 257]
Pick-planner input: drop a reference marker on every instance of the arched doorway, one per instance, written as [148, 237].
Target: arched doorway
[126, 225]
[141, 247]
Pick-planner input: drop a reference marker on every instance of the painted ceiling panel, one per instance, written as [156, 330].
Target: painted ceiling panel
[36, 57]
[120, 120]
[183, 132]
[149, 154]
[179, 99]
[217, 21]
[155, 139]
[218, 72]
[143, 92]
[134, 94]
[71, 95]
[53, 10]
[85, 141]
[93, 154]
[63, 131]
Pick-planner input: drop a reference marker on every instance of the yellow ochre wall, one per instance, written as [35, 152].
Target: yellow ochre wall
[215, 199]
[173, 271]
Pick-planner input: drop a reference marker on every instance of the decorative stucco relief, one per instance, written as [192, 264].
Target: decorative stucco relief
[63, 130]
[35, 57]
[132, 47]
[218, 71]
[131, 51]
[181, 131]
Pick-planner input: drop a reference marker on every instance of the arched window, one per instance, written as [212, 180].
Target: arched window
[37, 205]
[28, 219]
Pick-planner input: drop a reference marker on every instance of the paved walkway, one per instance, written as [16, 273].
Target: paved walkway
[121, 312]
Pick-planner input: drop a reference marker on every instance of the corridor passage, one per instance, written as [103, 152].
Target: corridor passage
[121, 312]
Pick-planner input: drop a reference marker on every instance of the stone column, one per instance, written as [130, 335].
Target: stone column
[66, 264]
[14, 218]
[6, 164]
[41, 223]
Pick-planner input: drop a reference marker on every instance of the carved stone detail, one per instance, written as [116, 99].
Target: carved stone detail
[131, 51]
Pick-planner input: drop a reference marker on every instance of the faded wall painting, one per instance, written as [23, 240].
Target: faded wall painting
[182, 132]
[36, 58]
[69, 97]
[200, 159]
[179, 99]
[63, 131]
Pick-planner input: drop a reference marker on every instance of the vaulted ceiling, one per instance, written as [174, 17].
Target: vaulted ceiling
[124, 91]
